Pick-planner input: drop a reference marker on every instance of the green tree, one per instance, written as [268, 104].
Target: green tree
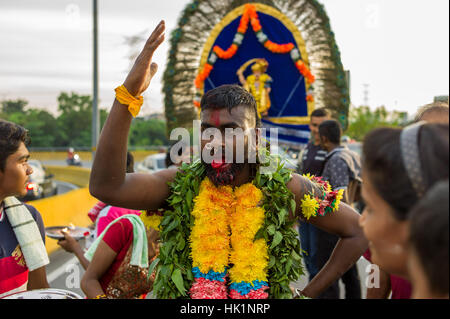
[148, 133]
[73, 125]
[9, 107]
[43, 127]
[75, 119]
[362, 120]
[41, 124]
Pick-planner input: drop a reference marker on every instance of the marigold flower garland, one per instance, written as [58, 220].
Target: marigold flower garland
[249, 273]
[226, 223]
[175, 271]
[218, 210]
[228, 54]
[210, 242]
[316, 206]
[250, 16]
[151, 219]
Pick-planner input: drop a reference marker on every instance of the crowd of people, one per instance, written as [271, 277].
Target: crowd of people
[387, 187]
[195, 230]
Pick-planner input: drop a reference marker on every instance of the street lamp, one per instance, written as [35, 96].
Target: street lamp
[95, 111]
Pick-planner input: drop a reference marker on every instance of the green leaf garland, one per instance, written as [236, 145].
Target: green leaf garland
[174, 269]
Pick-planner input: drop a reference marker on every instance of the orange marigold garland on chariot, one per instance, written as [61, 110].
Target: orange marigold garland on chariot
[228, 54]
[250, 17]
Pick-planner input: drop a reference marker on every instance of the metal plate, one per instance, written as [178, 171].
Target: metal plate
[77, 232]
[44, 294]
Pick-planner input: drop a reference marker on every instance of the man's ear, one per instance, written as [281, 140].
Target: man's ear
[258, 133]
[253, 143]
[322, 139]
[2, 174]
[254, 137]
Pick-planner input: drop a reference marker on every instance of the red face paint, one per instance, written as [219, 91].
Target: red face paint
[215, 118]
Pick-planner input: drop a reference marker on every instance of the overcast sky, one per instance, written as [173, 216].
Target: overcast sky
[399, 47]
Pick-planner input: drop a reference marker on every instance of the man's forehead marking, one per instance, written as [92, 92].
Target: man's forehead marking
[215, 117]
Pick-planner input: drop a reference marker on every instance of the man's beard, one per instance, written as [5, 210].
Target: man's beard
[223, 176]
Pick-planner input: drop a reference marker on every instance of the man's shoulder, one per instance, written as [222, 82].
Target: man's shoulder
[334, 156]
[346, 156]
[333, 161]
[349, 152]
[167, 174]
[296, 182]
[341, 153]
[34, 212]
[38, 218]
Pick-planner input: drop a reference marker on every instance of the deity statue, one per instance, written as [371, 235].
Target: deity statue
[258, 84]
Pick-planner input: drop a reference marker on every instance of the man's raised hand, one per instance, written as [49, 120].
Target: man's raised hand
[143, 69]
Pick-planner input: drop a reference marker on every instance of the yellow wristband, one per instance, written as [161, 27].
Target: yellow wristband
[124, 97]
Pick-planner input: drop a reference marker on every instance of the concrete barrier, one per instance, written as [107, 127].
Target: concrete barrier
[65, 209]
[68, 208]
[71, 174]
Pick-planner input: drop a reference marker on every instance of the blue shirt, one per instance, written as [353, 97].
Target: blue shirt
[13, 269]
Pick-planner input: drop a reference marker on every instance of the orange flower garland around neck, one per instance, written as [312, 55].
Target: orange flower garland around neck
[219, 211]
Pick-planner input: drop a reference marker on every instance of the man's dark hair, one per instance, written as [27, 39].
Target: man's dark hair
[130, 162]
[322, 112]
[332, 130]
[382, 160]
[230, 96]
[11, 135]
[429, 234]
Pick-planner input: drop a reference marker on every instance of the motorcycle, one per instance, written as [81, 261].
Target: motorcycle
[74, 161]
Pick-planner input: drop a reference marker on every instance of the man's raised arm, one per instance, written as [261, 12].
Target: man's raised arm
[109, 181]
[344, 223]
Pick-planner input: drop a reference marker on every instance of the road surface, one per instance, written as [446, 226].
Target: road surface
[64, 271]
[64, 187]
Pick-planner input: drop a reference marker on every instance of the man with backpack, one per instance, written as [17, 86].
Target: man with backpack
[311, 161]
[342, 169]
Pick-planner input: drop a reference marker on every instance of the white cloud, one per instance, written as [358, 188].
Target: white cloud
[398, 47]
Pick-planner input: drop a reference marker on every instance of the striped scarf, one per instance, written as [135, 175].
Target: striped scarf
[27, 233]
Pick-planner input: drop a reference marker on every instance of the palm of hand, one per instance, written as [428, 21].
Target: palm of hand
[140, 76]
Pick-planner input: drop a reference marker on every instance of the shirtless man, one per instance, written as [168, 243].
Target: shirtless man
[110, 183]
